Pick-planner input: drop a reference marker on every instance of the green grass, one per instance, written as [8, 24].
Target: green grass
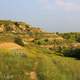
[53, 67]
[14, 64]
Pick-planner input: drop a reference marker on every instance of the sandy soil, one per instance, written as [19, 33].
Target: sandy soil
[10, 45]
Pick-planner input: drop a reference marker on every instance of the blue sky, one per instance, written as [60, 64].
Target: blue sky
[52, 15]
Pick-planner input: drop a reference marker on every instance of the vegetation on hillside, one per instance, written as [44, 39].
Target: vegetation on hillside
[29, 53]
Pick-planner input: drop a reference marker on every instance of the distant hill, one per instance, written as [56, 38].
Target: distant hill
[16, 27]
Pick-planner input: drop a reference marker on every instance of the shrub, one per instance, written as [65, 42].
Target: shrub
[72, 53]
[19, 41]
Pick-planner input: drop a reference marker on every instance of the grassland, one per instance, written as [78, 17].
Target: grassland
[30, 61]
[18, 64]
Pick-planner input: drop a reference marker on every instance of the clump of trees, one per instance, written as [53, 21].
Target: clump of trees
[75, 53]
[41, 41]
[68, 52]
[71, 37]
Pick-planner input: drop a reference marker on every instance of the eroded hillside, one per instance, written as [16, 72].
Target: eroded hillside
[29, 53]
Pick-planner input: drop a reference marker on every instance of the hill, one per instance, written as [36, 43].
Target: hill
[29, 53]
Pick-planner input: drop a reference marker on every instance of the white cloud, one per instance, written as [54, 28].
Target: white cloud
[61, 4]
[46, 4]
[68, 6]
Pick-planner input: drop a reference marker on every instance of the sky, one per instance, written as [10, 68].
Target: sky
[51, 15]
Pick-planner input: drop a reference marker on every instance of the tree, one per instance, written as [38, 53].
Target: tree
[72, 53]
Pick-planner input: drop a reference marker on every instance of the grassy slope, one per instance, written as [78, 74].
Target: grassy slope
[18, 64]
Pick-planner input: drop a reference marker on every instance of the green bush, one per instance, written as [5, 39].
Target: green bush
[72, 53]
[19, 41]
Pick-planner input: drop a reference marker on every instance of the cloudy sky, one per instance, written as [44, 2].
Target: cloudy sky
[52, 15]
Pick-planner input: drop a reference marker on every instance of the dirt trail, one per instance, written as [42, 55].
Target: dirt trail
[33, 75]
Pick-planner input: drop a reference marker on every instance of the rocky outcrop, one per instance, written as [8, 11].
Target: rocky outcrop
[1, 27]
[17, 27]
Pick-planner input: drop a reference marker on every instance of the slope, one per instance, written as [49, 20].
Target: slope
[32, 61]
[23, 58]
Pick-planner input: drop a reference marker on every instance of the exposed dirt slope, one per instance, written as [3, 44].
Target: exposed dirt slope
[10, 45]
